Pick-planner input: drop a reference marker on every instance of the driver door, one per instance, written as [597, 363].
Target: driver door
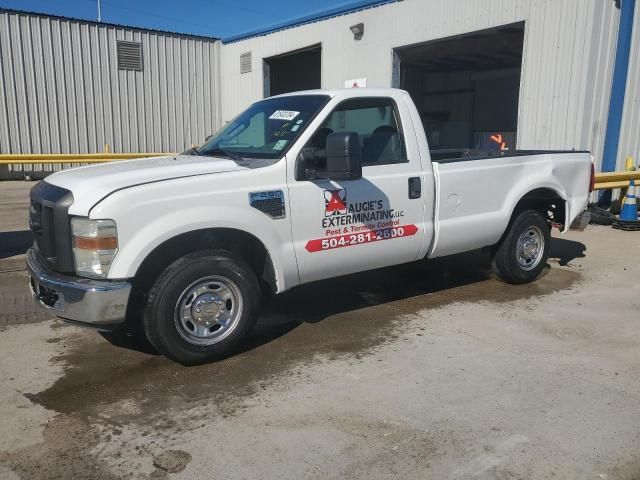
[347, 226]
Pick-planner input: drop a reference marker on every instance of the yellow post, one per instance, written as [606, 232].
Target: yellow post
[629, 166]
[106, 148]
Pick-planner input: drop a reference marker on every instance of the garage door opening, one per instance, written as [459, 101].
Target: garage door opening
[293, 71]
[466, 88]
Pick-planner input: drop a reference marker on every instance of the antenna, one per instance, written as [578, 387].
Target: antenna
[99, 13]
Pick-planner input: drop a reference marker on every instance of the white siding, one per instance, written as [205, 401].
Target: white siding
[61, 90]
[630, 134]
[567, 60]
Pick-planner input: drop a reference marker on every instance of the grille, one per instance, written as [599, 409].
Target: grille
[49, 223]
[41, 224]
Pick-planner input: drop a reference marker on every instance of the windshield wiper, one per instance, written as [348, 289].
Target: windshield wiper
[222, 152]
[191, 151]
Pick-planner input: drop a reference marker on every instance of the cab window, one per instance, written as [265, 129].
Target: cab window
[376, 122]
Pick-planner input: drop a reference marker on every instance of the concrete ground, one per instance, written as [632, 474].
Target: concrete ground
[431, 370]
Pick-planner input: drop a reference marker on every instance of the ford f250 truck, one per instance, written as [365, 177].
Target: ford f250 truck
[297, 188]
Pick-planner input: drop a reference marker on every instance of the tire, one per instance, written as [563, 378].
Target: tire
[522, 253]
[201, 307]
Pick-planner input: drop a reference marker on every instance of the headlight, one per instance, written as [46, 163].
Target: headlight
[95, 243]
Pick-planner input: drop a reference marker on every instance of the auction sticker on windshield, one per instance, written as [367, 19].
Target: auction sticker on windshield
[286, 115]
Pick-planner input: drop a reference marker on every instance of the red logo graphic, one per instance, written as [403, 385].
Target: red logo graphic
[335, 202]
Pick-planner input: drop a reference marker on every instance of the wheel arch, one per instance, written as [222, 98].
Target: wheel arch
[546, 200]
[247, 246]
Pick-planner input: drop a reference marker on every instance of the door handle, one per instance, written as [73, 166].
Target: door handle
[415, 188]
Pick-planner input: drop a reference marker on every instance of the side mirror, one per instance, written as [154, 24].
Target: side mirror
[344, 160]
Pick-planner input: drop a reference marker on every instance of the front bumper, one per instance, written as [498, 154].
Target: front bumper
[98, 303]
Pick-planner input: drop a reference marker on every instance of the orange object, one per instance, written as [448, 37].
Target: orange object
[499, 140]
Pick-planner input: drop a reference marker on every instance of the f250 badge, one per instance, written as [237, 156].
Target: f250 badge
[348, 224]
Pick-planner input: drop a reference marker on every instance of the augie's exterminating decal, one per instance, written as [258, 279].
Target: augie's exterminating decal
[348, 224]
[338, 212]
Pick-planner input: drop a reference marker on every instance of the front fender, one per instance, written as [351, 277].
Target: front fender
[146, 225]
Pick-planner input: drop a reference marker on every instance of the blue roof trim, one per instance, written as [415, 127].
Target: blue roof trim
[314, 17]
[104, 24]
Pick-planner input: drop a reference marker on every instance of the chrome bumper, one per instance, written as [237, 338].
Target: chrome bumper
[92, 302]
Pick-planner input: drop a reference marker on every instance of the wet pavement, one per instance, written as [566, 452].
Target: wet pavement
[428, 370]
[16, 306]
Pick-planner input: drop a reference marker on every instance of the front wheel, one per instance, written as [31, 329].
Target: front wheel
[201, 307]
[523, 252]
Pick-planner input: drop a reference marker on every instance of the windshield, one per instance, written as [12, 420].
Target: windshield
[266, 129]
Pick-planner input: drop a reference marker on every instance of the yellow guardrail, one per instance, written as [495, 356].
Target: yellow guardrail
[605, 181]
[48, 158]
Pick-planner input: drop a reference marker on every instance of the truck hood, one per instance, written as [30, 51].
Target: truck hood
[91, 184]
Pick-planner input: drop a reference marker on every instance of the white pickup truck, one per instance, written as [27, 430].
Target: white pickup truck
[298, 188]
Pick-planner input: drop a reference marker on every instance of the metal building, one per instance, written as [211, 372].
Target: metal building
[546, 74]
[74, 86]
[538, 71]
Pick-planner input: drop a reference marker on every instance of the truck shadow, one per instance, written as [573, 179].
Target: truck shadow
[15, 243]
[343, 305]
[566, 250]
[318, 301]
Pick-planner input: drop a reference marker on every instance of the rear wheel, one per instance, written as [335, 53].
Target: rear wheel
[202, 307]
[523, 252]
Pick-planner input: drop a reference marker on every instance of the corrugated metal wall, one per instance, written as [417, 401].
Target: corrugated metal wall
[61, 90]
[567, 60]
[630, 135]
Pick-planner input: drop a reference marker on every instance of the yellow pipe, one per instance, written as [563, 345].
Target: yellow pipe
[75, 156]
[46, 158]
[66, 160]
[617, 176]
[610, 185]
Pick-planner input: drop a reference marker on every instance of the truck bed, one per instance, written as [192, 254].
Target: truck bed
[464, 155]
[474, 199]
